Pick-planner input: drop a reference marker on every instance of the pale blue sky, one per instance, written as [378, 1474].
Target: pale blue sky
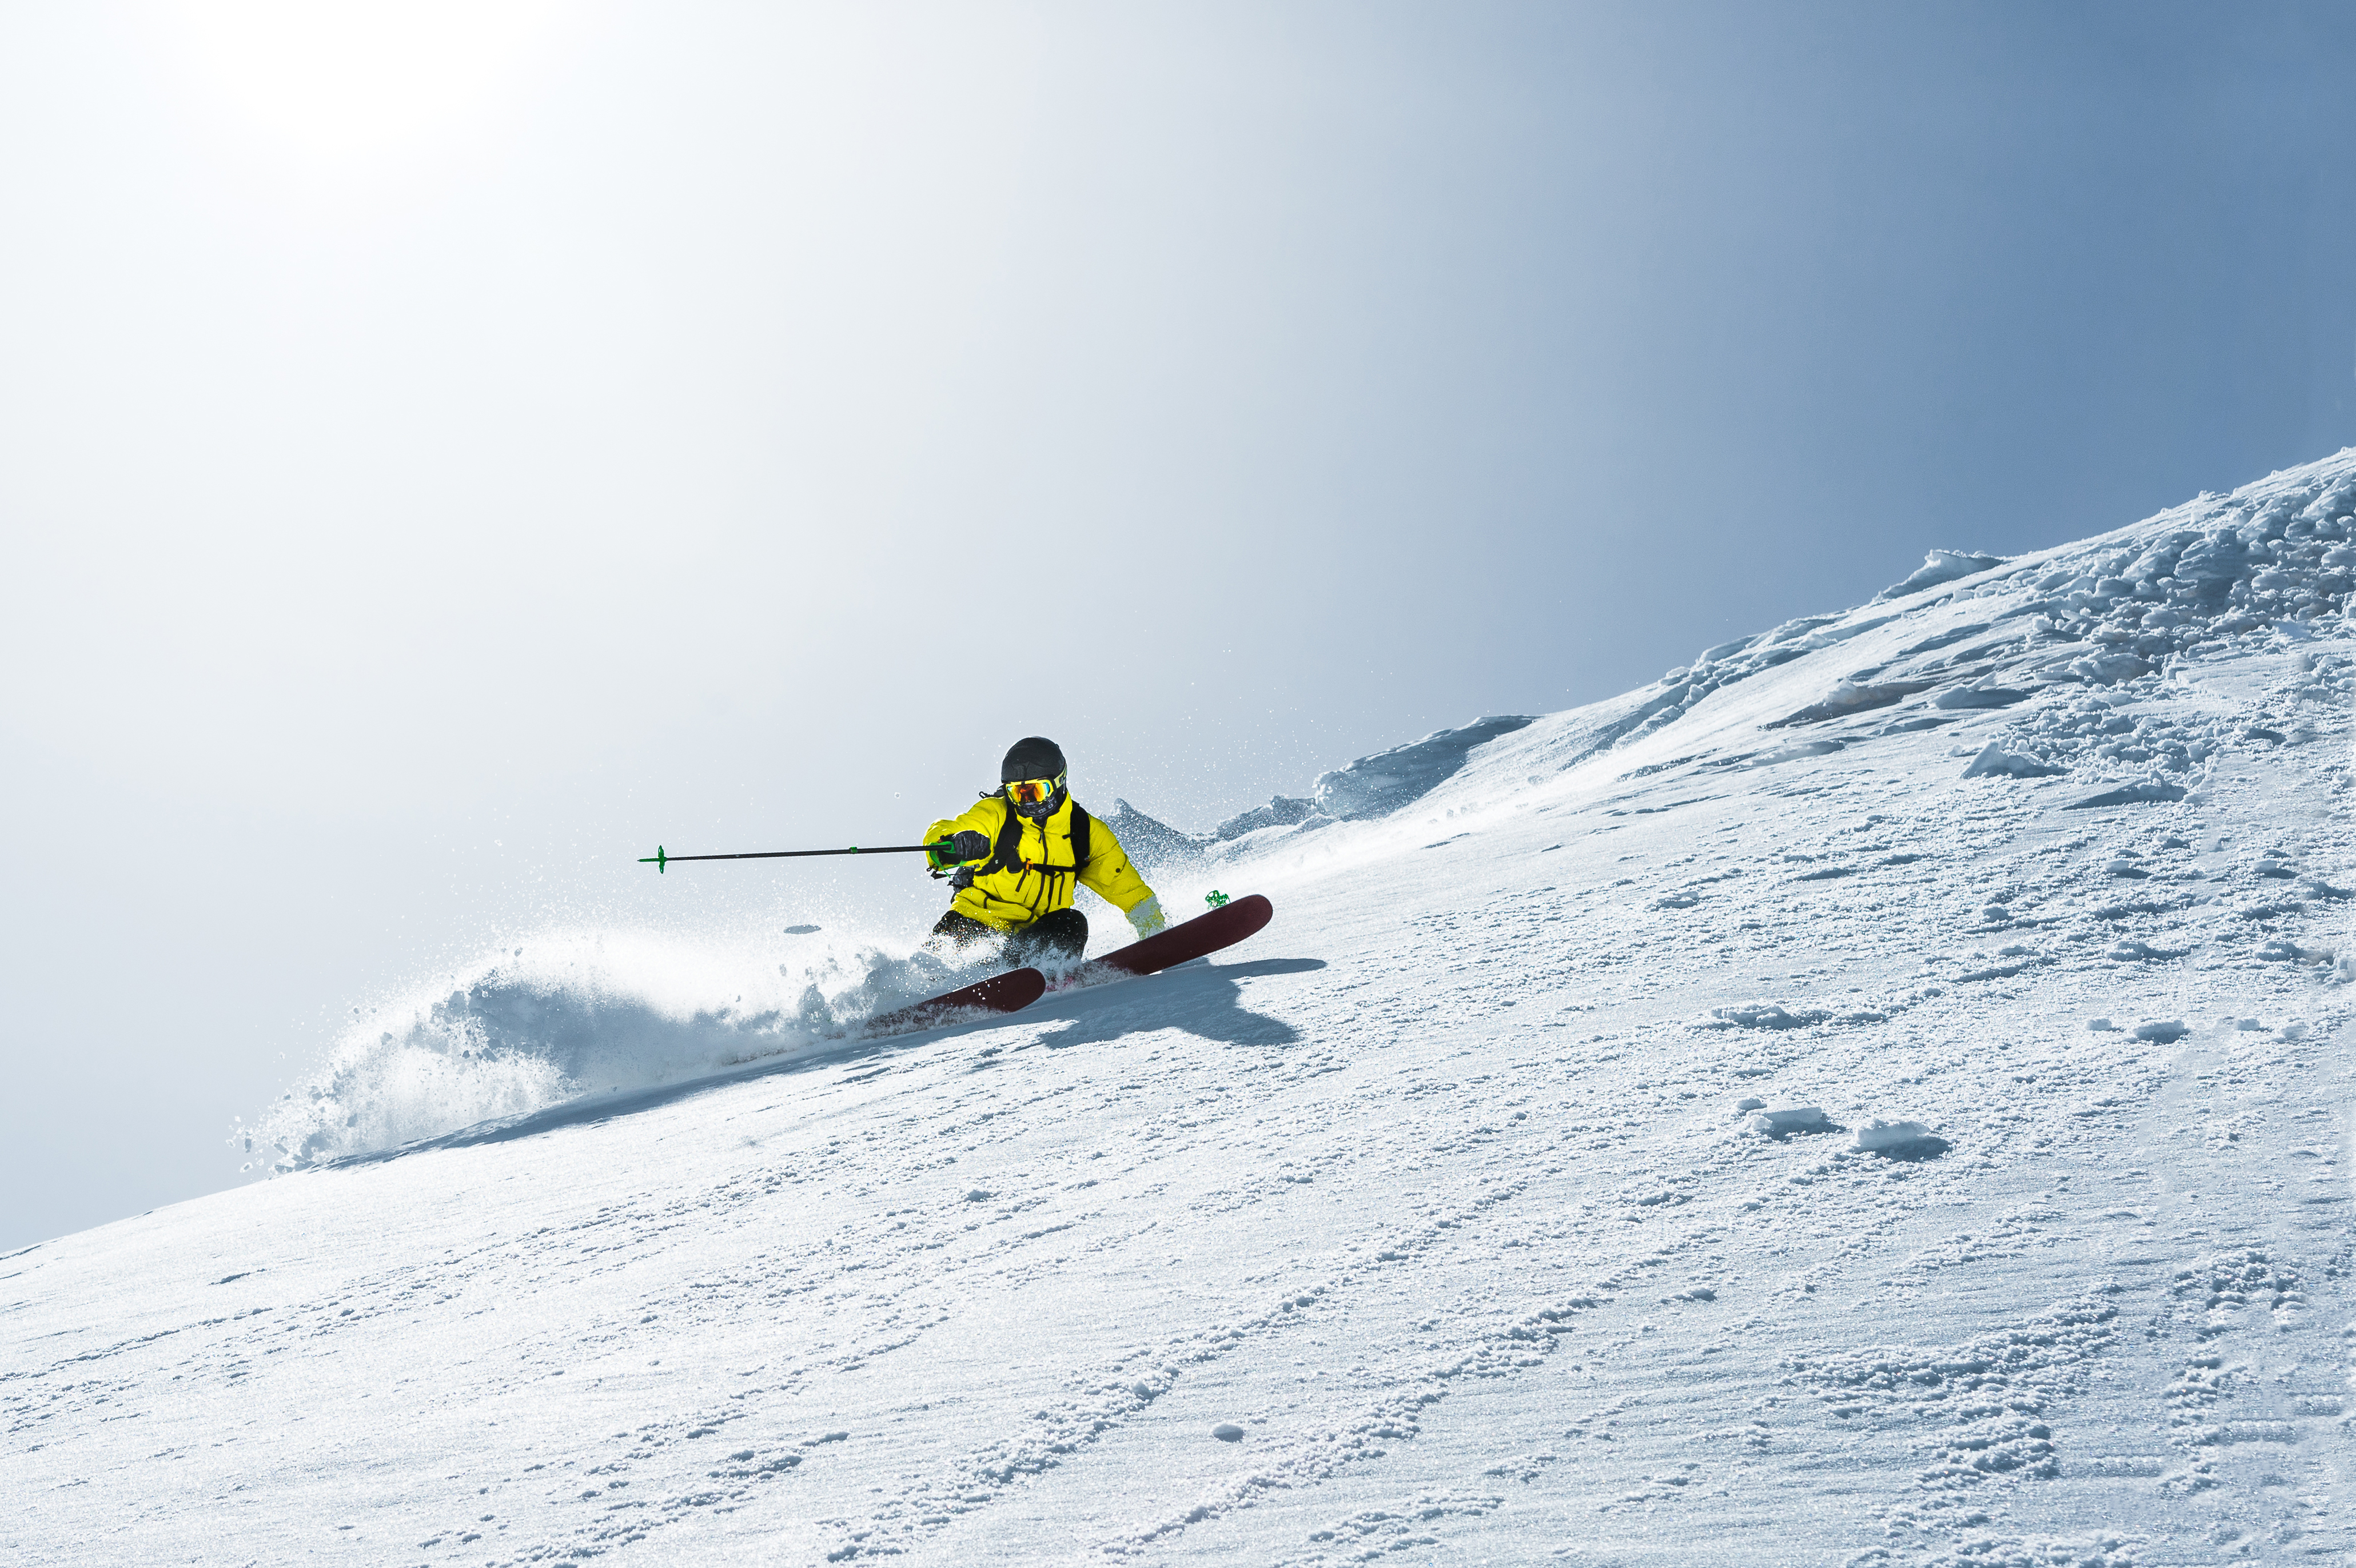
[441, 458]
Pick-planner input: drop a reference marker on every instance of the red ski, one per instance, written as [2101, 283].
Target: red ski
[1007, 993]
[1018, 989]
[1223, 927]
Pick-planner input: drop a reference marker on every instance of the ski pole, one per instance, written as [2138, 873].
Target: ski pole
[659, 859]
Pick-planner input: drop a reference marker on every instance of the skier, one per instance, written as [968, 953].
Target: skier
[1021, 853]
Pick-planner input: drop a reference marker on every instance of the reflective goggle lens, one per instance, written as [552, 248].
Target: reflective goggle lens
[1032, 792]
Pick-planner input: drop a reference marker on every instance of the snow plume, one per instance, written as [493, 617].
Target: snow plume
[573, 1015]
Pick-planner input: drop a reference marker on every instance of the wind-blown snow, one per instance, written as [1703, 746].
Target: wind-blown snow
[576, 1015]
[1875, 1095]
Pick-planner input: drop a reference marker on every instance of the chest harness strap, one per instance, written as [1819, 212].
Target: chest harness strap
[1006, 854]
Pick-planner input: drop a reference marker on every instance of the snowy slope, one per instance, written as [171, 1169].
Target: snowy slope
[1436, 1224]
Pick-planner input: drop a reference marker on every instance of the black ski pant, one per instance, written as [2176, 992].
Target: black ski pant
[1061, 935]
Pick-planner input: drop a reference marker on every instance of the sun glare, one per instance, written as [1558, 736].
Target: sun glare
[339, 80]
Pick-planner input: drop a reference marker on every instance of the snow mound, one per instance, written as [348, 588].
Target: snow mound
[1383, 782]
[1995, 762]
[1762, 1015]
[1370, 787]
[1961, 698]
[1789, 1120]
[1940, 566]
[1878, 1136]
[2143, 794]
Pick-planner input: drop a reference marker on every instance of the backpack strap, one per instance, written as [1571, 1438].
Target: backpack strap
[1006, 853]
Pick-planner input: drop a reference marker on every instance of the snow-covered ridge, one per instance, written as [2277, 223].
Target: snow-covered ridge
[2065, 640]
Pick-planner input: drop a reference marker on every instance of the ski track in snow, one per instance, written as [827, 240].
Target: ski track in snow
[1464, 1215]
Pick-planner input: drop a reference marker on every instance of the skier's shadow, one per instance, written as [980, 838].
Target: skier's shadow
[1203, 998]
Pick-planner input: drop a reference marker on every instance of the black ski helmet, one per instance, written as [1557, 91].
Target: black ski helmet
[1032, 757]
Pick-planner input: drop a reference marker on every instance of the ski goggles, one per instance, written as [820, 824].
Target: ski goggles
[1035, 792]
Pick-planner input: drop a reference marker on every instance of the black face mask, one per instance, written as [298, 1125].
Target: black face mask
[1045, 809]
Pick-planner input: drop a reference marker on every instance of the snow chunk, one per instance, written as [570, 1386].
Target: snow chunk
[2282, 950]
[1764, 1015]
[1784, 1120]
[1940, 566]
[1995, 762]
[2126, 950]
[2161, 1030]
[1973, 697]
[2148, 793]
[2109, 670]
[1228, 1432]
[1794, 752]
[1878, 1134]
[1848, 698]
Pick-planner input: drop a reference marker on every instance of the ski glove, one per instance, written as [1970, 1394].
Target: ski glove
[966, 846]
[1147, 916]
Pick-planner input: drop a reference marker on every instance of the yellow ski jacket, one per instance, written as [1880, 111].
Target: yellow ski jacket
[1041, 878]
